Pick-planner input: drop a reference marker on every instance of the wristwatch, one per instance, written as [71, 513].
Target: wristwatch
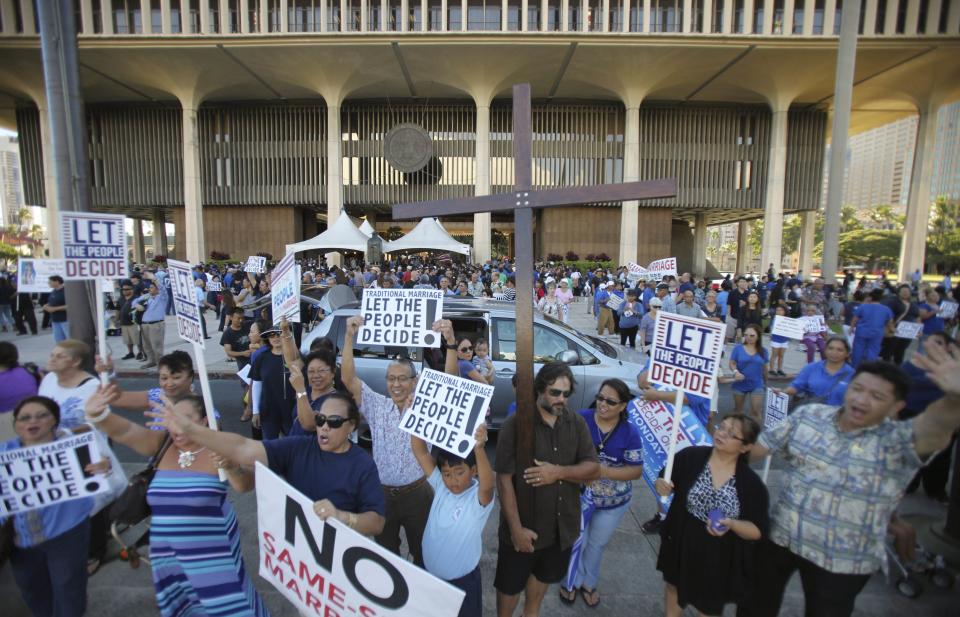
[452, 346]
[300, 395]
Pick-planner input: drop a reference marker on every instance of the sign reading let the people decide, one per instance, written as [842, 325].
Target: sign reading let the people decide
[48, 474]
[324, 568]
[446, 411]
[94, 246]
[686, 354]
[400, 317]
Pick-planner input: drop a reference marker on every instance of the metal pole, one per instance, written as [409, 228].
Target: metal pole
[846, 60]
[68, 142]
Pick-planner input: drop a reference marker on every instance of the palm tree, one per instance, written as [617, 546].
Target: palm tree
[24, 217]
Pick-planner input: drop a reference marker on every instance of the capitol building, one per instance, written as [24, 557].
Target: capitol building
[253, 124]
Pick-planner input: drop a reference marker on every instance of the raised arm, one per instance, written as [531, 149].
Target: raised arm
[291, 355]
[134, 401]
[240, 450]
[934, 427]
[420, 452]
[348, 371]
[485, 475]
[140, 439]
[305, 414]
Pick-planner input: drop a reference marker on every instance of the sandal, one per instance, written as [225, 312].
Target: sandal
[588, 594]
[568, 596]
[93, 564]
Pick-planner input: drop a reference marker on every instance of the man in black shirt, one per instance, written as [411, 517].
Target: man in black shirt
[736, 299]
[125, 317]
[236, 338]
[56, 307]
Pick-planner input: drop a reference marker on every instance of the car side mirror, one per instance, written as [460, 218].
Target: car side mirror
[569, 357]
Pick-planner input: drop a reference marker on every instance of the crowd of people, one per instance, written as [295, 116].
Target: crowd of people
[724, 538]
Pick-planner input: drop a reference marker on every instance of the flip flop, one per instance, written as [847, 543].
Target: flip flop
[568, 599]
[587, 594]
[93, 564]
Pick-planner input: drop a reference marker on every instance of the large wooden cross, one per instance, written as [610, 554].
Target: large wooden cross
[522, 200]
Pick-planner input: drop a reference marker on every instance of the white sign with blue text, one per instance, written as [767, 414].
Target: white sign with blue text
[686, 353]
[285, 291]
[185, 301]
[94, 246]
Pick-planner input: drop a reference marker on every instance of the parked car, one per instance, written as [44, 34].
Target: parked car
[591, 358]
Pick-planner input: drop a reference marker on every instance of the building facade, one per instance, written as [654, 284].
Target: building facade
[274, 112]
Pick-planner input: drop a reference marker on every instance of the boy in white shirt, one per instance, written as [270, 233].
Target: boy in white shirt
[462, 502]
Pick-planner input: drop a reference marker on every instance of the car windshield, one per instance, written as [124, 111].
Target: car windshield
[599, 343]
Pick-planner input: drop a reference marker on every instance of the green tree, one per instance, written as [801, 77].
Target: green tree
[886, 216]
[871, 247]
[943, 238]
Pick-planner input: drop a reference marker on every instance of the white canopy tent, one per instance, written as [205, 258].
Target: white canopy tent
[429, 234]
[366, 228]
[343, 235]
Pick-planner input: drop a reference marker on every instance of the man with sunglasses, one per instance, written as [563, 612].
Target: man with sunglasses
[406, 490]
[535, 549]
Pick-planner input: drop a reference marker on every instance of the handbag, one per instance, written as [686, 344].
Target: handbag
[131, 506]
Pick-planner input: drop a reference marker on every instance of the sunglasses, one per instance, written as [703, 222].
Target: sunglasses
[466, 348]
[608, 401]
[556, 392]
[334, 421]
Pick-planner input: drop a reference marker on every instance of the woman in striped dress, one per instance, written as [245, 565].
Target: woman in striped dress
[194, 537]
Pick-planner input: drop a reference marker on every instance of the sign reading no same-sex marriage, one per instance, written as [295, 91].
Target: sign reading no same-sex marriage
[94, 246]
[654, 421]
[185, 301]
[48, 474]
[285, 291]
[33, 274]
[327, 569]
[661, 268]
[686, 353]
[788, 327]
[400, 317]
[446, 411]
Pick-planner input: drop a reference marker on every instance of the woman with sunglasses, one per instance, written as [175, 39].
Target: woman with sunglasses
[619, 451]
[340, 477]
[465, 365]
[718, 513]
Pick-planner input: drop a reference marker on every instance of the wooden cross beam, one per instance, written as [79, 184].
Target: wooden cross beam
[522, 200]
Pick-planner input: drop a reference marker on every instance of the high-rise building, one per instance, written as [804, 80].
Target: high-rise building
[11, 193]
[945, 181]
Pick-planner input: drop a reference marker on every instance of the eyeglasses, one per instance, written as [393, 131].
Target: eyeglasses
[334, 421]
[398, 378]
[467, 348]
[319, 371]
[40, 417]
[608, 401]
[726, 430]
[556, 392]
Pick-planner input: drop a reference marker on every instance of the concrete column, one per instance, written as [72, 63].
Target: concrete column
[265, 17]
[727, 16]
[843, 88]
[744, 254]
[890, 22]
[933, 17]
[224, 17]
[565, 14]
[106, 17]
[284, 24]
[953, 18]
[625, 18]
[870, 17]
[405, 15]
[165, 25]
[481, 221]
[244, 19]
[808, 226]
[344, 18]
[524, 17]
[708, 16]
[699, 245]
[808, 9]
[913, 247]
[50, 185]
[913, 14]
[463, 15]
[767, 17]
[630, 210]
[646, 16]
[788, 16]
[363, 15]
[543, 15]
[334, 171]
[29, 19]
[748, 16]
[192, 234]
[204, 16]
[605, 16]
[829, 13]
[687, 16]
[773, 203]
[503, 14]
[159, 233]
[139, 253]
[7, 15]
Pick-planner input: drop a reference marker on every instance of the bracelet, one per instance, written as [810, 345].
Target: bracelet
[101, 417]
[450, 346]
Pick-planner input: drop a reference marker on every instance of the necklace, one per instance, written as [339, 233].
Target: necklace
[602, 437]
[187, 458]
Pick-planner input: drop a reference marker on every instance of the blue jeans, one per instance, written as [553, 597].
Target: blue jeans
[596, 536]
[6, 316]
[52, 576]
[865, 348]
[61, 330]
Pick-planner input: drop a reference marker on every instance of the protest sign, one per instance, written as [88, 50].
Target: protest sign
[32, 274]
[686, 353]
[909, 329]
[948, 310]
[48, 474]
[776, 408]
[285, 291]
[214, 286]
[788, 327]
[256, 264]
[446, 411]
[94, 246]
[614, 302]
[814, 323]
[324, 568]
[185, 301]
[661, 268]
[400, 317]
[654, 422]
[635, 272]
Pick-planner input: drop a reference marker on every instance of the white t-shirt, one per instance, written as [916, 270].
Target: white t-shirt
[71, 400]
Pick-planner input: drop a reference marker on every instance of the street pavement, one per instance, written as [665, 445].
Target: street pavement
[629, 583]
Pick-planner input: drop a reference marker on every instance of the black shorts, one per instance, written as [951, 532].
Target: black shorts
[548, 564]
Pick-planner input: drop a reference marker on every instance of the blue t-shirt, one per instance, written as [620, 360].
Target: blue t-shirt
[465, 367]
[752, 368]
[622, 448]
[923, 391]
[452, 540]
[813, 379]
[872, 319]
[930, 324]
[722, 301]
[277, 396]
[349, 480]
